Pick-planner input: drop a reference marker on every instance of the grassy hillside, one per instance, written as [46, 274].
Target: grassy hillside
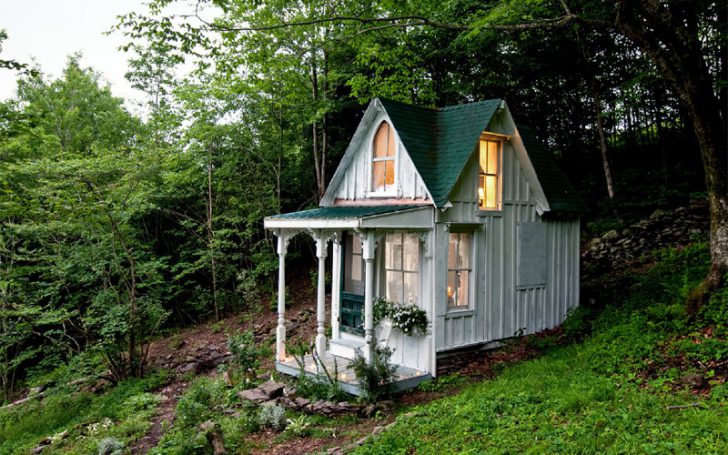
[630, 374]
[645, 380]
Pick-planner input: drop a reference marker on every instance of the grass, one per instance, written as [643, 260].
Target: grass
[614, 392]
[123, 413]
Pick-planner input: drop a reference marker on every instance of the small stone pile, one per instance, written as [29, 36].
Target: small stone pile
[271, 392]
[615, 249]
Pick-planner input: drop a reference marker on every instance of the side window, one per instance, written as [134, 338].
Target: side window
[459, 270]
[489, 184]
[383, 158]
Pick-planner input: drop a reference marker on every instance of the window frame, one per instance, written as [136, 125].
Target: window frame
[471, 269]
[402, 271]
[392, 189]
[500, 141]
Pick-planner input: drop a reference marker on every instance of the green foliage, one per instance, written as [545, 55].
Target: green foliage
[377, 376]
[122, 413]
[110, 446]
[408, 318]
[272, 416]
[204, 399]
[298, 426]
[245, 351]
[577, 324]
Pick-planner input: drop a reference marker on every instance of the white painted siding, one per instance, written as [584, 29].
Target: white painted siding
[356, 182]
[503, 310]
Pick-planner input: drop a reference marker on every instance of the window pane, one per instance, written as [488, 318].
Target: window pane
[389, 180]
[481, 191]
[394, 286]
[411, 257]
[483, 156]
[356, 269]
[452, 286]
[491, 188]
[411, 287]
[463, 288]
[392, 147]
[381, 139]
[378, 176]
[452, 252]
[464, 252]
[492, 158]
[393, 249]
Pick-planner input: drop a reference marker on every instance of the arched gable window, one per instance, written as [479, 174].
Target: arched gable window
[383, 158]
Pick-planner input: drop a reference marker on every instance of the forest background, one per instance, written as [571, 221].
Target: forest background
[114, 228]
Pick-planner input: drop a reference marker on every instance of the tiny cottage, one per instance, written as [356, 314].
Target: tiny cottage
[457, 211]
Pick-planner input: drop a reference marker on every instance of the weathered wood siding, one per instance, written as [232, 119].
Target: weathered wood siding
[356, 182]
[503, 309]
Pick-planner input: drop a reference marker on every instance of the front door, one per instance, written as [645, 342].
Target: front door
[352, 296]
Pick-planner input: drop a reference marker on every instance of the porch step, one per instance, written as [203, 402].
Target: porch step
[346, 348]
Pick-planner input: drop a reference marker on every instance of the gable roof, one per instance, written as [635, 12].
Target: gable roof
[560, 193]
[440, 141]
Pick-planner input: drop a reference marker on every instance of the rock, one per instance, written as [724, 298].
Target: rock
[272, 389]
[301, 402]
[254, 395]
[613, 234]
[693, 380]
[227, 378]
[657, 214]
[187, 367]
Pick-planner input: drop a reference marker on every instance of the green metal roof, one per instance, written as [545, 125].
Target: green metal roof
[344, 212]
[440, 141]
[560, 194]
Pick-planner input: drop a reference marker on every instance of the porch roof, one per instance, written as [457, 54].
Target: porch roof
[354, 217]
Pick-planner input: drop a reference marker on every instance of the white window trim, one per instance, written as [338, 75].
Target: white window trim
[394, 190]
[470, 307]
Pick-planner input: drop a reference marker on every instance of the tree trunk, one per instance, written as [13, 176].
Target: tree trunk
[668, 34]
[211, 237]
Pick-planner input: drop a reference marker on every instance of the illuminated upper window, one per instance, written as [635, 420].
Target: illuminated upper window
[489, 184]
[383, 159]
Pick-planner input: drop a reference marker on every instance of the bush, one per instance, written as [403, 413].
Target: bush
[110, 446]
[376, 377]
[578, 323]
[245, 351]
[202, 401]
[272, 416]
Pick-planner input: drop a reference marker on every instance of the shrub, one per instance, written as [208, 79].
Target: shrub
[577, 324]
[245, 351]
[376, 377]
[202, 401]
[110, 446]
[299, 426]
[272, 416]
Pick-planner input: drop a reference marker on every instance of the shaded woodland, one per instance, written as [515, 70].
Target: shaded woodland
[115, 227]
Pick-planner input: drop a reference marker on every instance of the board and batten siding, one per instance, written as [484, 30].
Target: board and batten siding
[356, 183]
[503, 305]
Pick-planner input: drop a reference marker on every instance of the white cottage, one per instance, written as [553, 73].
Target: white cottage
[456, 210]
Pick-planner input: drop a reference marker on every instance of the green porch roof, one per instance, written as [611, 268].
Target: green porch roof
[440, 141]
[344, 212]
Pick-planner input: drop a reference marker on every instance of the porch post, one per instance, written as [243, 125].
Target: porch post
[336, 286]
[368, 255]
[321, 243]
[281, 329]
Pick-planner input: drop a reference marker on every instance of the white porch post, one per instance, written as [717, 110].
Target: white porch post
[321, 243]
[368, 247]
[281, 329]
[336, 286]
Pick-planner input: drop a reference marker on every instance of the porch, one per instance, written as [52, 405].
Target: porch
[347, 228]
[407, 378]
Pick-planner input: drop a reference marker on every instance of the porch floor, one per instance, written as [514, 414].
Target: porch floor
[407, 378]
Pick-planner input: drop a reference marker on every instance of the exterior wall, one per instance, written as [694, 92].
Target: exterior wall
[356, 181]
[503, 308]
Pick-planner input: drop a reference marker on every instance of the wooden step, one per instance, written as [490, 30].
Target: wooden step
[346, 348]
